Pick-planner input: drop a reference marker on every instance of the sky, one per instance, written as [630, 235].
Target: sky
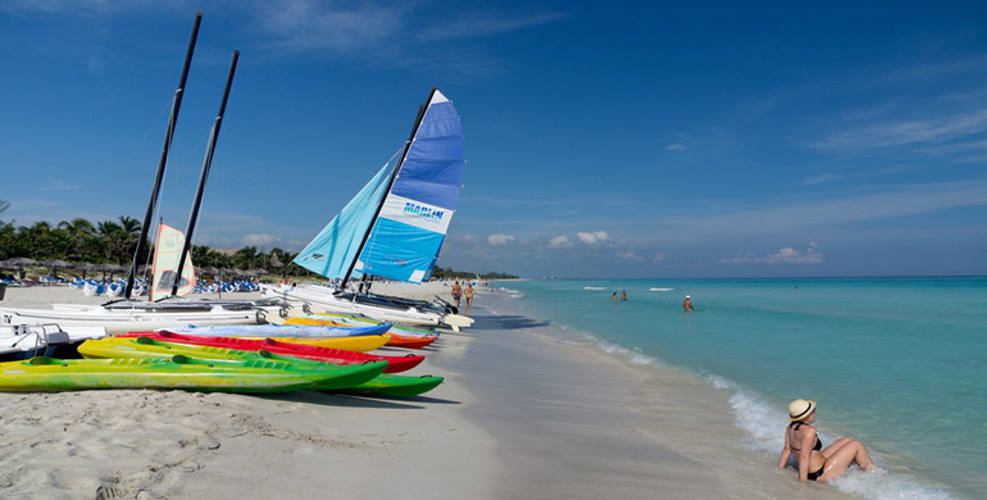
[603, 139]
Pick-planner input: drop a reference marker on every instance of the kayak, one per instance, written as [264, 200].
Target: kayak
[343, 376]
[396, 340]
[356, 344]
[287, 330]
[397, 385]
[396, 364]
[148, 348]
[358, 321]
[52, 374]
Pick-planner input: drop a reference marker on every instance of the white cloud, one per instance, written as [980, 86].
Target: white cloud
[658, 257]
[628, 255]
[784, 255]
[594, 237]
[820, 179]
[559, 241]
[500, 239]
[57, 185]
[258, 239]
[908, 132]
[479, 24]
[676, 146]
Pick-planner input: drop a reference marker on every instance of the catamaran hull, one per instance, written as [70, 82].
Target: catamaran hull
[319, 301]
[123, 321]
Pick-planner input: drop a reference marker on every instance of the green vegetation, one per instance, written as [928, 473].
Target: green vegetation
[441, 273]
[114, 242]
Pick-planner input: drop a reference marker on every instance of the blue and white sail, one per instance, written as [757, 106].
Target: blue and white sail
[407, 222]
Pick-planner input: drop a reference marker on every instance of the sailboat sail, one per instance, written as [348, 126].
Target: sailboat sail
[411, 224]
[167, 251]
[332, 251]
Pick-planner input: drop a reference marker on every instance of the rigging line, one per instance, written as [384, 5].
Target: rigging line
[154, 124]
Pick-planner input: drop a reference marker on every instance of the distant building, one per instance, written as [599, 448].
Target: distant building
[224, 251]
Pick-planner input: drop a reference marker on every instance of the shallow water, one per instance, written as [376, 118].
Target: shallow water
[898, 363]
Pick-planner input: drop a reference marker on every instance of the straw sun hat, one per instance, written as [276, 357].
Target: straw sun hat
[800, 409]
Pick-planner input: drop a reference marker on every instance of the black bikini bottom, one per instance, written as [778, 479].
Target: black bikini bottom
[812, 476]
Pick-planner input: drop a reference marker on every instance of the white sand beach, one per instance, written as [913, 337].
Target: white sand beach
[522, 414]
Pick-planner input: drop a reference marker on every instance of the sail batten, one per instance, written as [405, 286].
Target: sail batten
[408, 222]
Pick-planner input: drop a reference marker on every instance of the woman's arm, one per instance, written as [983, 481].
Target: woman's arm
[785, 453]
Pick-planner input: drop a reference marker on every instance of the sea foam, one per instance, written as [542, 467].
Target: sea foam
[656, 289]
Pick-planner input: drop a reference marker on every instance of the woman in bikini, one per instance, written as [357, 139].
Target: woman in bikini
[816, 463]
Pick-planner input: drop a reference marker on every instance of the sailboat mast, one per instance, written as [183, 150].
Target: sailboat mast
[206, 165]
[176, 105]
[390, 183]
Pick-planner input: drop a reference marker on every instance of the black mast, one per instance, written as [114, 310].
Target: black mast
[404, 155]
[206, 164]
[176, 105]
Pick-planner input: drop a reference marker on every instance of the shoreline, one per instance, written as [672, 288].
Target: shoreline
[744, 415]
[528, 410]
[637, 429]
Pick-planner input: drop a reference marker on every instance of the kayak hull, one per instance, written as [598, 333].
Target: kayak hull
[52, 375]
[331, 376]
[396, 364]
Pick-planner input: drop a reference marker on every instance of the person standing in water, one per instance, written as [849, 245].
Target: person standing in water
[469, 298]
[457, 293]
[687, 304]
[623, 295]
[613, 298]
[816, 463]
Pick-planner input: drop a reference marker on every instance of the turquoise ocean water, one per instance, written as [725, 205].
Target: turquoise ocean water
[899, 363]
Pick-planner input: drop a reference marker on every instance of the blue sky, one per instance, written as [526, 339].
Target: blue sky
[604, 139]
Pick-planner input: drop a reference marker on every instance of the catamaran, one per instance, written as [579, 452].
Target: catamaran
[126, 314]
[394, 227]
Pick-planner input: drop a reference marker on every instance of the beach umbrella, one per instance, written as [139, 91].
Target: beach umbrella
[85, 267]
[18, 262]
[58, 264]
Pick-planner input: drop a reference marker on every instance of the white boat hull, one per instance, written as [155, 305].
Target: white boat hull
[25, 340]
[320, 299]
[129, 320]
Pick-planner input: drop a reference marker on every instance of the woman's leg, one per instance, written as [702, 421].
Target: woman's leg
[850, 452]
[833, 448]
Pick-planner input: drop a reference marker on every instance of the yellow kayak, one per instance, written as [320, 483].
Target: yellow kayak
[356, 344]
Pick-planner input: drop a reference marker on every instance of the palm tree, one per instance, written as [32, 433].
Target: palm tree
[245, 258]
[80, 231]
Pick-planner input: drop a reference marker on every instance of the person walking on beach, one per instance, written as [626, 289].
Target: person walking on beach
[613, 298]
[687, 304]
[816, 463]
[469, 298]
[457, 293]
[623, 295]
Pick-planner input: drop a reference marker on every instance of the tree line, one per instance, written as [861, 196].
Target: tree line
[114, 242]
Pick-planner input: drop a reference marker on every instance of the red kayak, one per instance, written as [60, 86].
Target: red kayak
[337, 356]
[409, 341]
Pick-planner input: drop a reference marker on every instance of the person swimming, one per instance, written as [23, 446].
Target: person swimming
[824, 463]
[687, 304]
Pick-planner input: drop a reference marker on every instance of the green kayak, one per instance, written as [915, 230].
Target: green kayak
[331, 377]
[146, 348]
[50, 374]
[387, 384]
